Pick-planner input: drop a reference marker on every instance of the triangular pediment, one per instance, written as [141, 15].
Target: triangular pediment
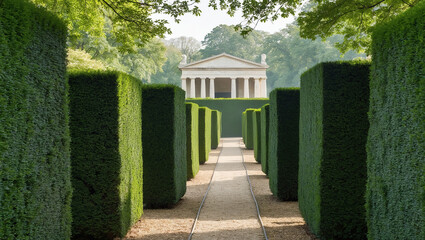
[224, 61]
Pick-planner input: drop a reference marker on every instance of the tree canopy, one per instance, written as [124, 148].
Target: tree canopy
[353, 19]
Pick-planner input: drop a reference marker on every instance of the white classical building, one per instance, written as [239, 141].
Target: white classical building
[224, 76]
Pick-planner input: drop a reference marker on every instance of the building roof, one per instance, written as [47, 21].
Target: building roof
[223, 61]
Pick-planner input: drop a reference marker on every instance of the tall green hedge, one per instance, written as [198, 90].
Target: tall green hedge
[283, 140]
[164, 144]
[192, 139]
[231, 110]
[265, 123]
[215, 128]
[204, 134]
[333, 131]
[244, 127]
[257, 134]
[106, 146]
[395, 198]
[35, 186]
[249, 128]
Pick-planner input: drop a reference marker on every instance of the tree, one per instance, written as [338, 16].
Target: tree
[188, 46]
[80, 59]
[131, 19]
[353, 19]
[170, 73]
[289, 55]
[224, 38]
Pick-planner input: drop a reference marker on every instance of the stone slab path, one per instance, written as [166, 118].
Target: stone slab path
[229, 210]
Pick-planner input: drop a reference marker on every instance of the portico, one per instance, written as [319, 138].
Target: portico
[224, 76]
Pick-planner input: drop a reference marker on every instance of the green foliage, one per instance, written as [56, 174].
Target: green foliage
[132, 23]
[164, 144]
[257, 134]
[35, 186]
[332, 165]
[224, 38]
[188, 46]
[249, 128]
[170, 72]
[289, 55]
[80, 59]
[395, 192]
[204, 134]
[244, 127]
[265, 123]
[215, 128]
[192, 139]
[107, 172]
[354, 19]
[284, 142]
[231, 110]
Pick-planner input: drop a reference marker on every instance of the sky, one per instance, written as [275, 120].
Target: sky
[198, 27]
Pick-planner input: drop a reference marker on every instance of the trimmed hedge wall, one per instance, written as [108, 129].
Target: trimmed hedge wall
[265, 123]
[244, 127]
[395, 198]
[215, 128]
[284, 139]
[192, 139]
[204, 134]
[164, 144]
[105, 123]
[333, 132]
[232, 110]
[257, 134]
[35, 186]
[249, 128]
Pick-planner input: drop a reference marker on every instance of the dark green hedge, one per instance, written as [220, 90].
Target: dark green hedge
[257, 134]
[215, 128]
[333, 132]
[106, 146]
[284, 139]
[35, 186]
[164, 144]
[231, 110]
[395, 198]
[204, 134]
[192, 139]
[244, 127]
[249, 129]
[265, 120]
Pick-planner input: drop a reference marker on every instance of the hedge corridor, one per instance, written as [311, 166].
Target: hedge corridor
[35, 186]
[332, 166]
[284, 143]
[231, 110]
[164, 144]
[107, 174]
[395, 198]
[192, 139]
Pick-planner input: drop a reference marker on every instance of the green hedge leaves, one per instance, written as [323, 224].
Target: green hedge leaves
[333, 131]
[164, 144]
[35, 186]
[204, 134]
[395, 198]
[105, 122]
[265, 123]
[192, 139]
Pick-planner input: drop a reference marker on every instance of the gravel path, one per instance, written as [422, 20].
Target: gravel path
[229, 211]
[225, 215]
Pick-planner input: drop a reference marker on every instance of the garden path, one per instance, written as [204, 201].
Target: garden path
[229, 208]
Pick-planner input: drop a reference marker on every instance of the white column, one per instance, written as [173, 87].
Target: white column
[212, 88]
[233, 89]
[203, 88]
[246, 88]
[184, 85]
[192, 88]
[257, 88]
[264, 88]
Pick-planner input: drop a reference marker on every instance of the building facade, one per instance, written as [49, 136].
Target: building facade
[224, 76]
